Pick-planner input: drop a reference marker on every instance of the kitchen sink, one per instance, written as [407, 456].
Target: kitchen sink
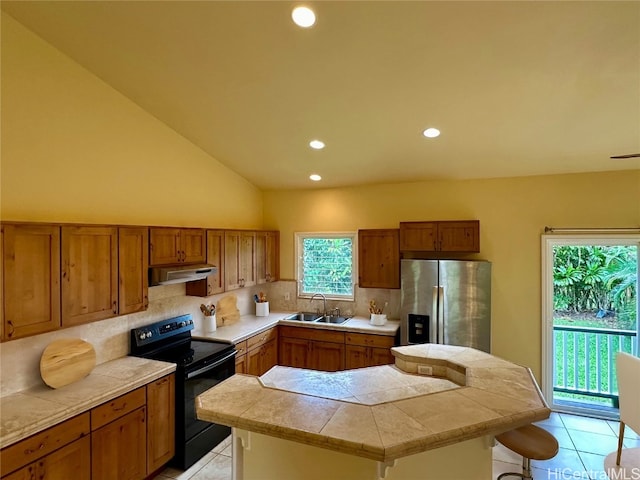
[331, 319]
[316, 318]
[304, 316]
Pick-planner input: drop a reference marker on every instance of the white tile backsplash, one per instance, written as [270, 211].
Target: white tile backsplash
[20, 359]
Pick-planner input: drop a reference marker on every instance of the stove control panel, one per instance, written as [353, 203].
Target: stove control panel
[158, 331]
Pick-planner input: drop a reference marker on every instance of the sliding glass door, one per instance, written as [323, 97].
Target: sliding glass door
[590, 312]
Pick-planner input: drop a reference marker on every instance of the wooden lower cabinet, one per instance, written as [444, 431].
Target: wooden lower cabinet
[262, 352]
[311, 348]
[129, 437]
[365, 350]
[294, 352]
[326, 356]
[161, 414]
[59, 452]
[118, 450]
[69, 462]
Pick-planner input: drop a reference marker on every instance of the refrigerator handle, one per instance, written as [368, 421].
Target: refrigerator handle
[435, 321]
[441, 315]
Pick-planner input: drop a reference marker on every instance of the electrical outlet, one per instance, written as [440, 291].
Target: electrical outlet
[287, 296]
[425, 370]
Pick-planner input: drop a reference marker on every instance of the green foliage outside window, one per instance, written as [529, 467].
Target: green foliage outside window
[600, 279]
[327, 266]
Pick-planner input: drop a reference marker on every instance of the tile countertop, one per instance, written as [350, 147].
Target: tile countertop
[36, 409]
[387, 412]
[249, 325]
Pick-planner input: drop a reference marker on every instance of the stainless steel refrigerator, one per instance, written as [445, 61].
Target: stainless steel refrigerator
[447, 302]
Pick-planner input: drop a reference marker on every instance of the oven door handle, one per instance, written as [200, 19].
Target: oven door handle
[212, 366]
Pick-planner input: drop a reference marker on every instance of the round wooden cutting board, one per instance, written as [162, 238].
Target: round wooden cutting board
[66, 361]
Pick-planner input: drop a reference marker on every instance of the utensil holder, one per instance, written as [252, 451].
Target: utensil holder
[210, 323]
[262, 309]
[378, 319]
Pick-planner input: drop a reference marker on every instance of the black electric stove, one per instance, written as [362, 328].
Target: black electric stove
[200, 365]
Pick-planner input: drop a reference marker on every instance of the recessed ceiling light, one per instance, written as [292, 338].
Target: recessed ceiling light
[315, 177]
[431, 132]
[316, 144]
[303, 17]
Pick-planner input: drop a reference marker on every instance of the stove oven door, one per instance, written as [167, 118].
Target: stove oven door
[199, 437]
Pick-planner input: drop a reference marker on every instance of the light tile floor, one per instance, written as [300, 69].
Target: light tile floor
[584, 443]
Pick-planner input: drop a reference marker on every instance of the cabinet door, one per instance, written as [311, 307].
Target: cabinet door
[272, 259]
[241, 364]
[248, 258]
[355, 357]
[215, 256]
[379, 258]
[31, 279]
[192, 245]
[380, 356]
[118, 450]
[328, 357]
[294, 352]
[133, 266]
[261, 257]
[160, 422]
[232, 260]
[164, 246]
[89, 274]
[268, 356]
[253, 361]
[72, 462]
[418, 236]
[459, 236]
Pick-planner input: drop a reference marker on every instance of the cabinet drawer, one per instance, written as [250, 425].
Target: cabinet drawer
[313, 334]
[363, 339]
[241, 348]
[262, 338]
[43, 443]
[108, 412]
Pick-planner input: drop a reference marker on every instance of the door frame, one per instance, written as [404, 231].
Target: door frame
[548, 241]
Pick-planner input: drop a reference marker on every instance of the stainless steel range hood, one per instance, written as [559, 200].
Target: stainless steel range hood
[179, 274]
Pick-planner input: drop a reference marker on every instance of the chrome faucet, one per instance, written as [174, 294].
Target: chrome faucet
[324, 302]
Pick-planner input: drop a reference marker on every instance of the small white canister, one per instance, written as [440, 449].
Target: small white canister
[210, 323]
[378, 319]
[262, 309]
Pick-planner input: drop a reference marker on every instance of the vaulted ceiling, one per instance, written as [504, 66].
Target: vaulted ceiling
[516, 88]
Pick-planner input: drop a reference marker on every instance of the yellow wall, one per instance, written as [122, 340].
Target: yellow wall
[512, 212]
[76, 150]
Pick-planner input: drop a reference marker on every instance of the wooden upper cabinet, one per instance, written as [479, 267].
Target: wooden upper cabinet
[31, 264]
[378, 258]
[240, 259]
[133, 265]
[459, 236]
[169, 246]
[418, 236]
[89, 274]
[446, 236]
[215, 256]
[248, 258]
[232, 274]
[267, 257]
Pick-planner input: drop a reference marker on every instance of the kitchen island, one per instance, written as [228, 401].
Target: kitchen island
[431, 416]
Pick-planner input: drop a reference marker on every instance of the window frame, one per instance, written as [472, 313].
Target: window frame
[299, 238]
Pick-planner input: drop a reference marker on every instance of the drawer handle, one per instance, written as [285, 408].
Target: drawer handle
[28, 451]
[119, 409]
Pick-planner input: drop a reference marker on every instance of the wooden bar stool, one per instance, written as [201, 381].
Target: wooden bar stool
[533, 443]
